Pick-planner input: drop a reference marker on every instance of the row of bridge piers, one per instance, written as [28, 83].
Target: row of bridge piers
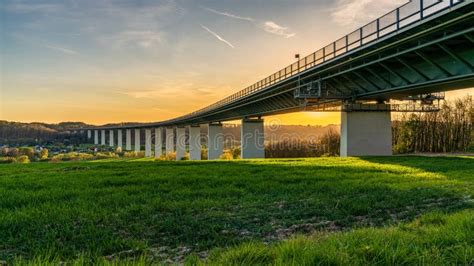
[363, 133]
[183, 139]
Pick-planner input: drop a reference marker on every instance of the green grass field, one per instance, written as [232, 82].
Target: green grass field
[357, 210]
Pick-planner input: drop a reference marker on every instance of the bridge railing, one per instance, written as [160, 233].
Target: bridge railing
[401, 17]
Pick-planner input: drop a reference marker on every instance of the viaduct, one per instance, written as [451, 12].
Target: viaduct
[399, 62]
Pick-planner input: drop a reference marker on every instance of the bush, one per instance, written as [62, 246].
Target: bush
[23, 159]
[72, 156]
[204, 154]
[134, 154]
[7, 160]
[106, 155]
[4, 151]
[27, 151]
[13, 152]
[227, 155]
[169, 156]
[185, 157]
[44, 154]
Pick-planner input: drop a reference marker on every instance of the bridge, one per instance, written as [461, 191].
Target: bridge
[399, 62]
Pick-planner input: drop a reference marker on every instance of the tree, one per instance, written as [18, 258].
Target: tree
[44, 154]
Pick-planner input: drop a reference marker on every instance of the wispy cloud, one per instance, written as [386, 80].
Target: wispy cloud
[272, 27]
[350, 12]
[60, 49]
[268, 26]
[33, 7]
[228, 14]
[217, 36]
[143, 39]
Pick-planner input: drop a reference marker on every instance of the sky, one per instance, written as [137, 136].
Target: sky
[107, 61]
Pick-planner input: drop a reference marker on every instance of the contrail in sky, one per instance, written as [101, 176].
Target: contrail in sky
[217, 36]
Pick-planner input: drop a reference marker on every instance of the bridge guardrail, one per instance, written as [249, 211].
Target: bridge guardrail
[405, 15]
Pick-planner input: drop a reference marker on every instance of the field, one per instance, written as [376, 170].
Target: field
[303, 211]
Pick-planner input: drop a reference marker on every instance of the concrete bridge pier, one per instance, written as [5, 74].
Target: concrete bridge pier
[215, 141]
[366, 133]
[119, 139]
[102, 138]
[158, 143]
[169, 143]
[195, 142]
[147, 142]
[128, 139]
[137, 140]
[111, 138]
[96, 137]
[252, 139]
[180, 143]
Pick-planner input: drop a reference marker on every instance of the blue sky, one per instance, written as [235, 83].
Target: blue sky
[103, 61]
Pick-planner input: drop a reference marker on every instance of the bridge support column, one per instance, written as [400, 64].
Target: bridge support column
[158, 143]
[147, 142]
[119, 139]
[180, 143]
[96, 137]
[169, 140]
[195, 143]
[102, 138]
[89, 134]
[252, 139]
[111, 138]
[128, 139]
[215, 141]
[137, 140]
[366, 134]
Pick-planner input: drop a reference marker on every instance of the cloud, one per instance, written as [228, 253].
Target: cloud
[350, 12]
[60, 49]
[228, 14]
[217, 36]
[144, 39]
[268, 26]
[272, 27]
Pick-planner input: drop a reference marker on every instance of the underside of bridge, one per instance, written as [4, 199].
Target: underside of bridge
[409, 56]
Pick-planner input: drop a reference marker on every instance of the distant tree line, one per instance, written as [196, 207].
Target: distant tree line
[450, 130]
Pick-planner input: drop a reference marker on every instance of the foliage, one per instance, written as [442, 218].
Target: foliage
[167, 156]
[7, 160]
[133, 208]
[13, 152]
[72, 156]
[134, 154]
[106, 155]
[28, 151]
[227, 155]
[44, 154]
[325, 145]
[23, 159]
[449, 130]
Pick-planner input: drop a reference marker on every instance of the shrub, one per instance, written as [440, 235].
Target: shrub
[185, 157]
[44, 154]
[169, 156]
[7, 160]
[27, 151]
[227, 155]
[106, 155]
[23, 159]
[72, 156]
[204, 154]
[4, 151]
[13, 152]
[134, 154]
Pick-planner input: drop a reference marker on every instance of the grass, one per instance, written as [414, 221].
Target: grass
[166, 211]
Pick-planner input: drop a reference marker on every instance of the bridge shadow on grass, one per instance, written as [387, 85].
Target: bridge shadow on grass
[105, 208]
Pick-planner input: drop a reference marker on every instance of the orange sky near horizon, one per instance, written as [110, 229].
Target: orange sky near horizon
[103, 62]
